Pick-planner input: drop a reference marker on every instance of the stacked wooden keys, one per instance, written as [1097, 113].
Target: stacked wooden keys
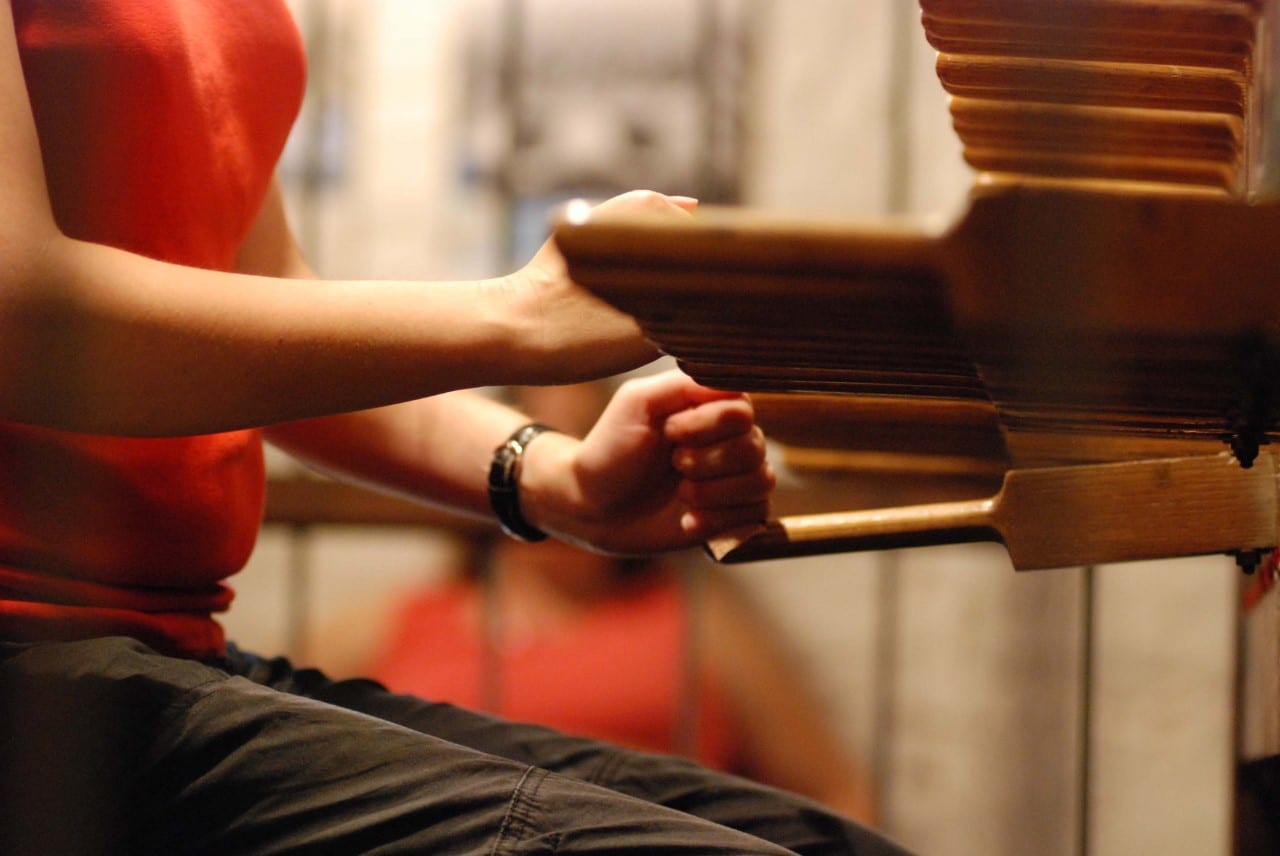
[1129, 90]
[1092, 344]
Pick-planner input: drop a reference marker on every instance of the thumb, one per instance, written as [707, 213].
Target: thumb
[662, 395]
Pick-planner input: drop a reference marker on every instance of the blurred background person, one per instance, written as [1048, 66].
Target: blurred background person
[665, 656]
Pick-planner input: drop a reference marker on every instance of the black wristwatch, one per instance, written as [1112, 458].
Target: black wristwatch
[504, 484]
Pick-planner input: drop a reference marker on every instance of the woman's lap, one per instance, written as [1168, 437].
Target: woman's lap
[112, 744]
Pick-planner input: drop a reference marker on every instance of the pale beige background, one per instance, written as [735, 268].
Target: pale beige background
[959, 681]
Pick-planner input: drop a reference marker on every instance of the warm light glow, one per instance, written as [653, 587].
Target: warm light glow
[576, 211]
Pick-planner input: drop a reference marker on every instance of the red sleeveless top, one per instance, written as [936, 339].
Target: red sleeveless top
[160, 123]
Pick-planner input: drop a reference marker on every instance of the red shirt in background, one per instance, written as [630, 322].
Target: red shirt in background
[616, 673]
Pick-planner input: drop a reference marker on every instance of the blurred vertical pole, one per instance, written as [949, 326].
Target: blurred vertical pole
[719, 185]
[316, 32]
[314, 23]
[725, 29]
[1264, 119]
[1084, 738]
[887, 662]
[511, 57]
[706, 64]
[687, 718]
[298, 598]
[492, 632]
[904, 30]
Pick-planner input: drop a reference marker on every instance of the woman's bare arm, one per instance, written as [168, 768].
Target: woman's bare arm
[431, 449]
[668, 464]
[100, 340]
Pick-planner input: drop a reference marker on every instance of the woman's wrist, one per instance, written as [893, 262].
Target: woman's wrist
[518, 346]
[562, 333]
[504, 482]
[546, 486]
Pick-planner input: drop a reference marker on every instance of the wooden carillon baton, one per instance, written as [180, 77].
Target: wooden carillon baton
[1057, 516]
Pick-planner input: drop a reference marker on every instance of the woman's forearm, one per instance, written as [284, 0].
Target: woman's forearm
[106, 341]
[435, 449]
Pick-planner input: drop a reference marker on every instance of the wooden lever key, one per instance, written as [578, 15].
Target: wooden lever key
[1054, 517]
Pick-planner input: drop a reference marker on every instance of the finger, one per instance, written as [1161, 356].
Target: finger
[750, 488]
[710, 422]
[688, 203]
[645, 200]
[737, 455]
[667, 393]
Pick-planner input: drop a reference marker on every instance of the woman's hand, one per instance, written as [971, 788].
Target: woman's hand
[573, 334]
[669, 464]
